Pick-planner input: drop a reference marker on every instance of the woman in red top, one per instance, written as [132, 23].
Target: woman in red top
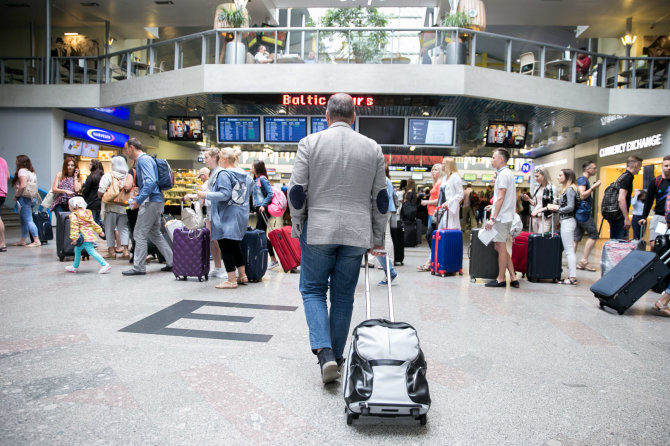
[431, 204]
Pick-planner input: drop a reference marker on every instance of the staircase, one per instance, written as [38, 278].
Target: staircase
[9, 218]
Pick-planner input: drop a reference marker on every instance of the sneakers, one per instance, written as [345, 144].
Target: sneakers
[329, 369]
[71, 269]
[167, 269]
[273, 265]
[133, 272]
[384, 282]
[105, 269]
[218, 272]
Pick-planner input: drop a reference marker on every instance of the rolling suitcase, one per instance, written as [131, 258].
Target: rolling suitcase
[629, 279]
[398, 237]
[419, 231]
[385, 369]
[520, 252]
[255, 251]
[544, 256]
[483, 258]
[42, 220]
[64, 246]
[412, 234]
[287, 248]
[615, 250]
[190, 253]
[446, 254]
[661, 246]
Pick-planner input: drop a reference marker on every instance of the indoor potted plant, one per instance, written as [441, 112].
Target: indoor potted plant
[456, 48]
[233, 15]
[365, 46]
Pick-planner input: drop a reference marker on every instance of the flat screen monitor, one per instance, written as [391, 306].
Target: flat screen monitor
[386, 131]
[238, 129]
[469, 176]
[506, 134]
[184, 128]
[72, 147]
[431, 132]
[288, 129]
[487, 177]
[519, 179]
[318, 123]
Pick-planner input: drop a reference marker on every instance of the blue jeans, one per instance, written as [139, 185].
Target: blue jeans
[636, 226]
[321, 266]
[382, 262]
[26, 217]
[617, 231]
[90, 248]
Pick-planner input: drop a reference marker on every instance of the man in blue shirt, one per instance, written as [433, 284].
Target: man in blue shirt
[150, 203]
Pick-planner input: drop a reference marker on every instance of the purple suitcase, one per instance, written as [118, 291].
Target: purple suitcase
[190, 253]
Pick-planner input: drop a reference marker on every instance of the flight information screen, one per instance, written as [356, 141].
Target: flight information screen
[285, 128]
[432, 132]
[238, 129]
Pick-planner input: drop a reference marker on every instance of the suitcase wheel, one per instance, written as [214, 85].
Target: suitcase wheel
[460, 272]
[472, 279]
[621, 312]
[61, 258]
[423, 419]
[602, 305]
[443, 275]
[199, 278]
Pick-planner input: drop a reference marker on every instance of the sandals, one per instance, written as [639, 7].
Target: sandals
[226, 285]
[584, 266]
[33, 245]
[242, 280]
[3, 249]
[19, 244]
[663, 309]
[423, 268]
[568, 281]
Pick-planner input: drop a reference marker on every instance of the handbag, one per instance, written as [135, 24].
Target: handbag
[394, 220]
[192, 218]
[48, 199]
[112, 192]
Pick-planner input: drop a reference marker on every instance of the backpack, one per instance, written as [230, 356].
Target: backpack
[609, 208]
[474, 199]
[112, 191]
[239, 192]
[278, 205]
[165, 180]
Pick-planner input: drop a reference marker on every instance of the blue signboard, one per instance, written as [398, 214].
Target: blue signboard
[122, 113]
[525, 167]
[94, 134]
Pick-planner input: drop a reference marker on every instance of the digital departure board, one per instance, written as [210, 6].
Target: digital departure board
[238, 129]
[431, 132]
[319, 123]
[289, 129]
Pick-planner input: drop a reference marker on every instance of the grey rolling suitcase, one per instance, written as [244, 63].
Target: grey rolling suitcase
[483, 258]
[629, 279]
[385, 370]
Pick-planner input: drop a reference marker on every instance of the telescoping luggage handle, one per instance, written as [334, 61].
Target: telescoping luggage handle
[388, 284]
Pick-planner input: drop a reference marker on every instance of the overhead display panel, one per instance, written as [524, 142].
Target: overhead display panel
[239, 129]
[384, 130]
[285, 129]
[431, 132]
[318, 123]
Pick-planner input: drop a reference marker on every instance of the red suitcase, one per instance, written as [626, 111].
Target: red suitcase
[520, 252]
[286, 247]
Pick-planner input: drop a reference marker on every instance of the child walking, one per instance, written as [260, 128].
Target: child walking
[83, 228]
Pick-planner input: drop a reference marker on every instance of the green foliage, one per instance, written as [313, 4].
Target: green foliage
[365, 46]
[234, 17]
[457, 19]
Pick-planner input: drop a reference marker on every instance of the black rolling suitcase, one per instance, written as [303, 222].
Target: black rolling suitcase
[661, 246]
[255, 251]
[483, 258]
[385, 369]
[398, 237]
[545, 252]
[412, 234]
[633, 276]
[64, 246]
[42, 220]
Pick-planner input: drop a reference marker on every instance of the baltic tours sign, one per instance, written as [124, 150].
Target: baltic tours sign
[629, 146]
[320, 99]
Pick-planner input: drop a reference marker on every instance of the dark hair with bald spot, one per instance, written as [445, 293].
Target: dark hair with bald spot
[135, 143]
[340, 107]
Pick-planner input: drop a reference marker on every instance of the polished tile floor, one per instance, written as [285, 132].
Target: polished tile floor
[105, 359]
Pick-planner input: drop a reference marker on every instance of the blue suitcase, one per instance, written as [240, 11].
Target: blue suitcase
[446, 254]
[255, 251]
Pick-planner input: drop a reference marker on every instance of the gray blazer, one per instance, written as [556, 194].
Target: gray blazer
[338, 181]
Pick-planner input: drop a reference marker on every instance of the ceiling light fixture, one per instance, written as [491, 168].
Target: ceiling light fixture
[425, 113]
[70, 34]
[412, 148]
[628, 39]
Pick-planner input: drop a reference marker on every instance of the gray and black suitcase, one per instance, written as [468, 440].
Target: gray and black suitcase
[64, 247]
[629, 279]
[385, 370]
[483, 258]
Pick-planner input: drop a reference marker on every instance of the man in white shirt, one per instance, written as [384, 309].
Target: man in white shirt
[262, 56]
[502, 214]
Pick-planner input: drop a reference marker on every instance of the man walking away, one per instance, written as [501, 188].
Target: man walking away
[338, 200]
[502, 214]
[467, 214]
[619, 227]
[584, 215]
[150, 204]
[657, 190]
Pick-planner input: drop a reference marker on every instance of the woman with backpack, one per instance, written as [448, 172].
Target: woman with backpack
[114, 214]
[566, 213]
[90, 189]
[262, 197]
[229, 196]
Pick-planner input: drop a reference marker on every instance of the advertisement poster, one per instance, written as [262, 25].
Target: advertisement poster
[72, 147]
[90, 150]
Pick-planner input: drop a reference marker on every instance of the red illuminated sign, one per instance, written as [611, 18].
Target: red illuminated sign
[317, 99]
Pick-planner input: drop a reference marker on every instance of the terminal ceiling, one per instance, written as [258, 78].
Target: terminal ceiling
[549, 130]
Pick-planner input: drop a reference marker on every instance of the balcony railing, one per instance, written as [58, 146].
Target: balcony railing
[348, 46]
